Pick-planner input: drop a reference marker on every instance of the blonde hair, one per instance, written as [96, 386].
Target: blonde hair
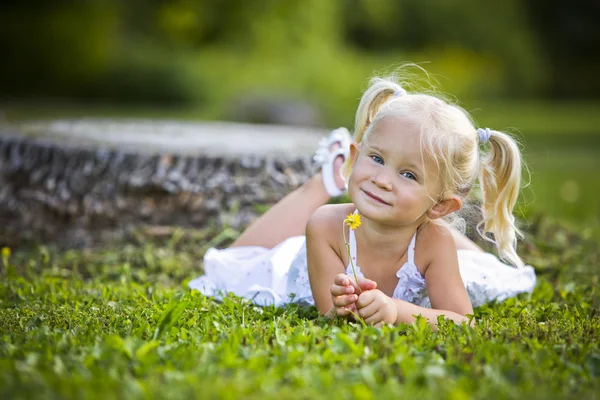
[449, 138]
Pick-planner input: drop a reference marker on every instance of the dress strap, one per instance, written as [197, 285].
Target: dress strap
[411, 249]
[352, 243]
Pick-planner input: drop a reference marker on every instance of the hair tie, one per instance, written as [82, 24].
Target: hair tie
[484, 134]
[399, 92]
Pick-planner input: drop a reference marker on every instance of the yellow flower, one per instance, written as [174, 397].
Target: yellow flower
[5, 252]
[353, 221]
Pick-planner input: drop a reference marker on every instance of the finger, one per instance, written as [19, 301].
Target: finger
[342, 311]
[354, 311]
[367, 284]
[368, 311]
[352, 283]
[379, 324]
[337, 290]
[374, 319]
[341, 280]
[348, 310]
[343, 301]
[364, 299]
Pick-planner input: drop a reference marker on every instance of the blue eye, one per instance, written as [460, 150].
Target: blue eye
[409, 175]
[377, 159]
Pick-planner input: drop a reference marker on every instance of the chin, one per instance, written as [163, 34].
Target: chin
[381, 215]
[371, 211]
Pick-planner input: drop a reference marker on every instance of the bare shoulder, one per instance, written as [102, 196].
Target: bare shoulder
[433, 241]
[325, 225]
[328, 218]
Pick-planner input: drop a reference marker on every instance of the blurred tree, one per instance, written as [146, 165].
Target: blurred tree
[569, 35]
[148, 49]
[496, 31]
[54, 48]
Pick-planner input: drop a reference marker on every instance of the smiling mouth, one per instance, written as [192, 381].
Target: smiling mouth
[377, 199]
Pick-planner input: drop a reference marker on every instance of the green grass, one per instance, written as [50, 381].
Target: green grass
[120, 323]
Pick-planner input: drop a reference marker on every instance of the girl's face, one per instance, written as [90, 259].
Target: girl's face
[390, 182]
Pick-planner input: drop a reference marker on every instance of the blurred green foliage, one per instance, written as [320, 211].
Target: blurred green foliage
[214, 52]
[54, 48]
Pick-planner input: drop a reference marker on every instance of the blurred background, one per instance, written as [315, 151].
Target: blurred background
[526, 66]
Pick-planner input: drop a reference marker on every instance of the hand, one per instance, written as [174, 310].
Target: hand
[344, 293]
[376, 308]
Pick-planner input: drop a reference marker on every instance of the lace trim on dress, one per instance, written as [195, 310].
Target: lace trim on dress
[411, 284]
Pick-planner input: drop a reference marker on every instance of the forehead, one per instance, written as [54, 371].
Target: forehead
[396, 135]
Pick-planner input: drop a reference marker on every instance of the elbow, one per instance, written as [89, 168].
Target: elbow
[466, 318]
[470, 320]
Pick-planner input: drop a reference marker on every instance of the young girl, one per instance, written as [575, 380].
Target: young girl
[413, 161]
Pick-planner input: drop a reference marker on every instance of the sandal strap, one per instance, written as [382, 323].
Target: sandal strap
[327, 172]
[339, 135]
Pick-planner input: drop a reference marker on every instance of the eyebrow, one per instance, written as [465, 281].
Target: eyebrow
[410, 165]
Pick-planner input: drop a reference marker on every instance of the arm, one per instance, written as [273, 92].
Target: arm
[406, 310]
[323, 261]
[444, 284]
[377, 308]
[333, 291]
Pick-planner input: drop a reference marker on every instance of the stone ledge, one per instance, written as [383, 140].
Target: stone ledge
[80, 190]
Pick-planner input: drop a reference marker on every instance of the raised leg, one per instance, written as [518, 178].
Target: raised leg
[287, 218]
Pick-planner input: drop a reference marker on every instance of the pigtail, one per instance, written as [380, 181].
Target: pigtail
[500, 180]
[380, 91]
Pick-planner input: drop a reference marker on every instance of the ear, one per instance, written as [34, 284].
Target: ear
[354, 151]
[444, 207]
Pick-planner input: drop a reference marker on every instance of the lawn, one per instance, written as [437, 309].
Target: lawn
[120, 323]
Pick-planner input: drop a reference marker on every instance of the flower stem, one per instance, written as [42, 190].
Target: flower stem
[350, 257]
[359, 319]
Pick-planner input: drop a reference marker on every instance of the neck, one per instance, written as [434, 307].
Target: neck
[386, 239]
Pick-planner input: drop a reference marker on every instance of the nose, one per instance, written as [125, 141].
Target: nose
[382, 180]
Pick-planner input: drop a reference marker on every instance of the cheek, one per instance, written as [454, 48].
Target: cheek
[358, 172]
[363, 168]
[411, 195]
[352, 185]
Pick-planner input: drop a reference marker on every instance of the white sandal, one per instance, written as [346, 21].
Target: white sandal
[325, 158]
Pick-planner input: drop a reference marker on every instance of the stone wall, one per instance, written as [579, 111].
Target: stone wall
[78, 196]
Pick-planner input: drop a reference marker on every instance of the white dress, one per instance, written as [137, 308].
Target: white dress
[280, 275]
